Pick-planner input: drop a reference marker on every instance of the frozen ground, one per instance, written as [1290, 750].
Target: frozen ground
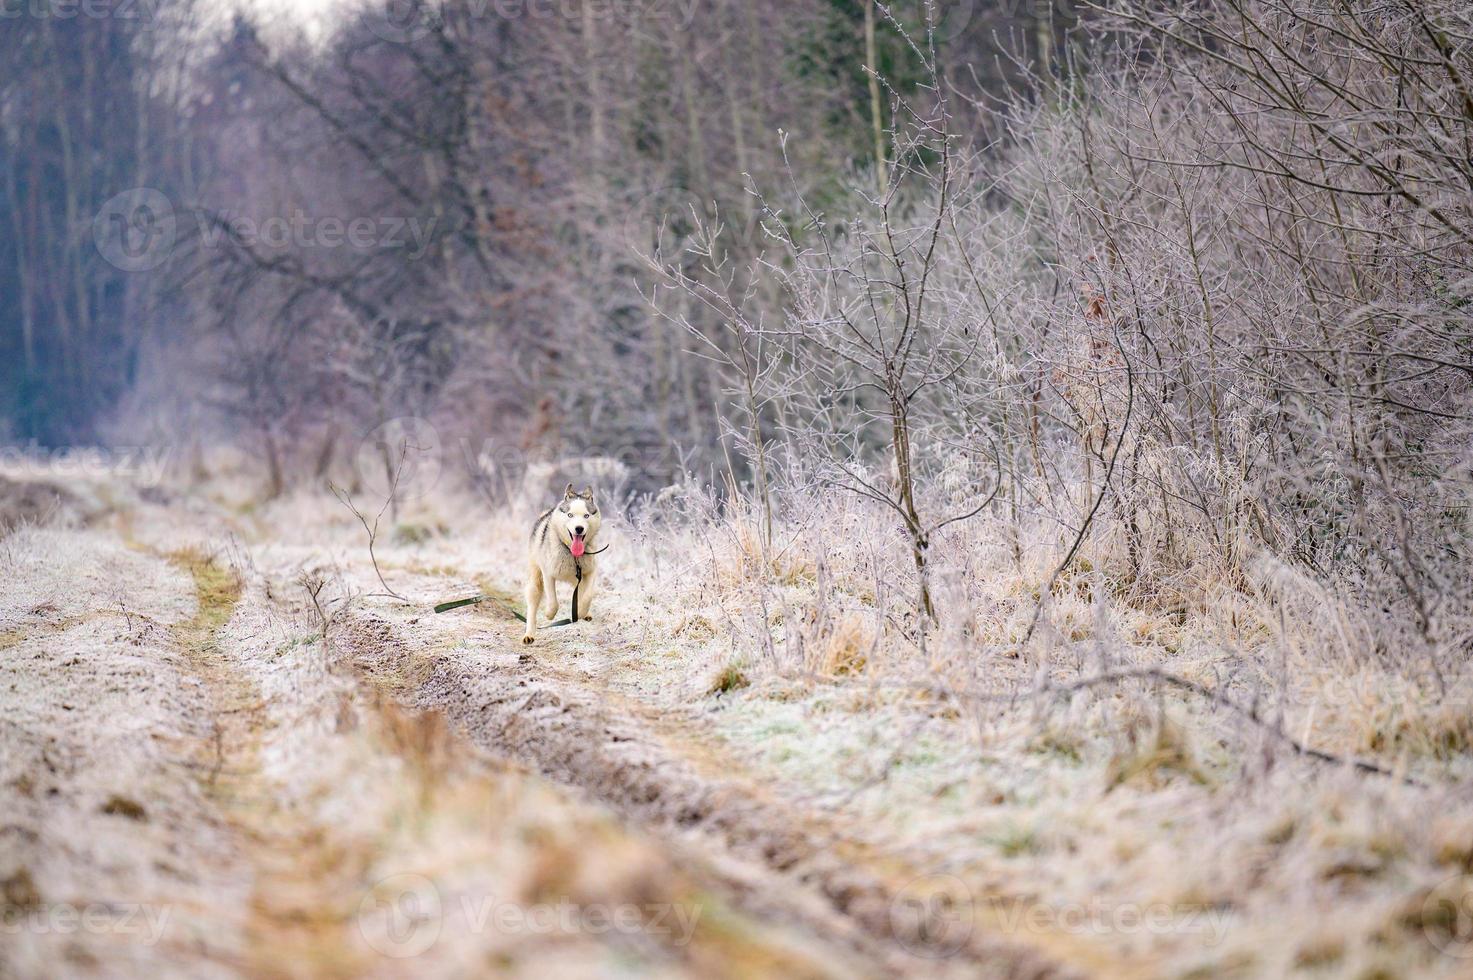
[232, 776]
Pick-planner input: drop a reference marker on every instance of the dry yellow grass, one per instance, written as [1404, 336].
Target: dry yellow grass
[1107, 799]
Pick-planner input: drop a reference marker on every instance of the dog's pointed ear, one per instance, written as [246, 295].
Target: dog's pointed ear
[587, 494]
[568, 494]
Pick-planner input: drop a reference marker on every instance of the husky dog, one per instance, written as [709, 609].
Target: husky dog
[561, 548]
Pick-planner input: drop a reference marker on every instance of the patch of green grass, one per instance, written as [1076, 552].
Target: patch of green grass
[1151, 753]
[306, 640]
[921, 757]
[1017, 841]
[778, 728]
[1058, 743]
[412, 533]
[216, 589]
[732, 677]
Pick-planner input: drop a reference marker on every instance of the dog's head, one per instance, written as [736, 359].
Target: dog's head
[578, 514]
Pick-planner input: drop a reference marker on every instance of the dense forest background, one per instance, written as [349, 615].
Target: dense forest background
[508, 169]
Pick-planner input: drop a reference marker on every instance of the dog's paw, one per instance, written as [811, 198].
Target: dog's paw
[528, 639]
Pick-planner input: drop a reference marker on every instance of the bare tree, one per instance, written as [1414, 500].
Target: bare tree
[871, 356]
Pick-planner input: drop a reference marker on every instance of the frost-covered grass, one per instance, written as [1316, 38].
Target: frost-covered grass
[1144, 821]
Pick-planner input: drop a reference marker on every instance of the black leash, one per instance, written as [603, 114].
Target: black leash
[577, 582]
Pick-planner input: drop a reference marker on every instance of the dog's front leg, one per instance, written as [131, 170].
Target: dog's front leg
[534, 603]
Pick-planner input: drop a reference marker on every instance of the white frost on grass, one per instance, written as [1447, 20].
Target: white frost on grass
[53, 574]
[101, 808]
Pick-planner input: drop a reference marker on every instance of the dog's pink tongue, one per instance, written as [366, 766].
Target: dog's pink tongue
[577, 547]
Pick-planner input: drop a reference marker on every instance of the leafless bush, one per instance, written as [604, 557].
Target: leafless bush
[1204, 314]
